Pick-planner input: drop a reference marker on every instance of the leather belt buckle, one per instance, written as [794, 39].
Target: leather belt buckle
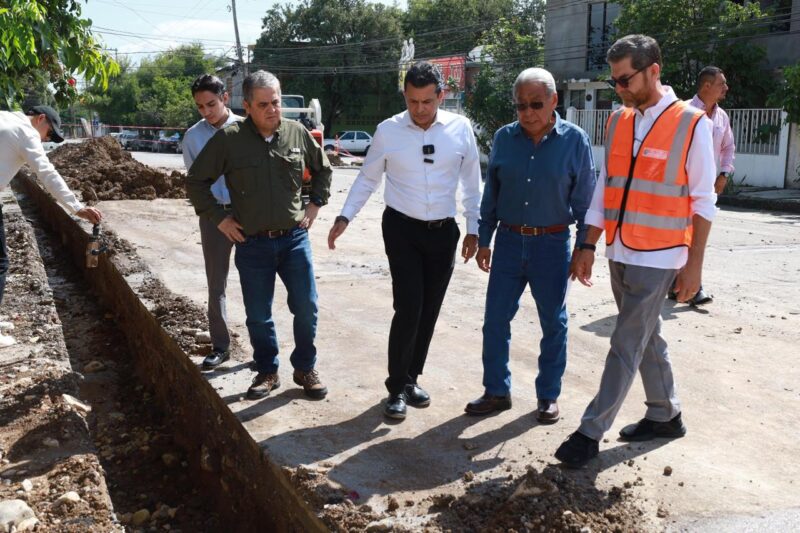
[529, 231]
[275, 233]
[436, 224]
[226, 207]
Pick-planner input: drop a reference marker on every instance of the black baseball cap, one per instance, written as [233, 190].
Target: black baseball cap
[52, 117]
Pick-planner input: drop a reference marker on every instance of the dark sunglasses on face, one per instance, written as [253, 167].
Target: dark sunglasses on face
[624, 81]
[533, 105]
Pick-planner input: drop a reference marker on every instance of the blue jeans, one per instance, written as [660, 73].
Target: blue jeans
[258, 259]
[541, 262]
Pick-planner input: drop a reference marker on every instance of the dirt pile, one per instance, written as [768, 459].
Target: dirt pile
[551, 500]
[101, 170]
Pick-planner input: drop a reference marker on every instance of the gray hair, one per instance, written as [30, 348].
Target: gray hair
[643, 51]
[535, 75]
[260, 79]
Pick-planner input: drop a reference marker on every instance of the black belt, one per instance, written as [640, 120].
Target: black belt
[430, 224]
[272, 233]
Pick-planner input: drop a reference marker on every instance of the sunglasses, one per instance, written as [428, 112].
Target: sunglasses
[533, 105]
[50, 130]
[624, 81]
[428, 149]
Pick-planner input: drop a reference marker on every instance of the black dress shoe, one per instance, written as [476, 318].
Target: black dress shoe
[216, 358]
[395, 406]
[416, 397]
[547, 412]
[646, 429]
[488, 404]
[577, 450]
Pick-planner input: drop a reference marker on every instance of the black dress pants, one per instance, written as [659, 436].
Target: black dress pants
[421, 260]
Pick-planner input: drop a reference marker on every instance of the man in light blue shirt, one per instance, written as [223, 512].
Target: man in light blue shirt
[540, 180]
[211, 98]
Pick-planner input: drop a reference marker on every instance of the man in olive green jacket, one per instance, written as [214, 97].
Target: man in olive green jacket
[263, 159]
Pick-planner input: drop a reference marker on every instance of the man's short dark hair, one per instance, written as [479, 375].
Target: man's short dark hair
[643, 51]
[708, 75]
[423, 74]
[210, 83]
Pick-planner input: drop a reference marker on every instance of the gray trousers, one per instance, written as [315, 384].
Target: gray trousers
[217, 256]
[636, 344]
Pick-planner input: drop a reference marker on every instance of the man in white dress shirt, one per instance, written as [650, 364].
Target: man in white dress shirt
[655, 201]
[426, 154]
[21, 137]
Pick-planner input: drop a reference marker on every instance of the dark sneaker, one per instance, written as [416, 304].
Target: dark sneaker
[262, 385]
[646, 429]
[577, 450]
[416, 397]
[701, 298]
[216, 358]
[488, 404]
[672, 295]
[311, 383]
[395, 406]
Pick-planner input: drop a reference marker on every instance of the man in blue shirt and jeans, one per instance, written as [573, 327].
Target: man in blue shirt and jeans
[540, 180]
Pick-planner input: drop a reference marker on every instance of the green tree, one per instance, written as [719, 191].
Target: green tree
[696, 33]
[48, 37]
[343, 52]
[510, 46]
[788, 94]
[451, 27]
[157, 93]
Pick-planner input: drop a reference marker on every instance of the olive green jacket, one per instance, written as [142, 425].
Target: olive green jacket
[264, 178]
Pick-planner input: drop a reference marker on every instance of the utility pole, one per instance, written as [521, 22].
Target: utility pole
[238, 42]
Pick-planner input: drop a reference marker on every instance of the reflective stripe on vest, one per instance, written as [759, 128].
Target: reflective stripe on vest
[646, 198]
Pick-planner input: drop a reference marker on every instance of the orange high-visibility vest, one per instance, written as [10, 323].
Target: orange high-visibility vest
[646, 197]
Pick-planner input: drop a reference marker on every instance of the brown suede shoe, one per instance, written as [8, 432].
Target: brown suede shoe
[262, 385]
[547, 412]
[488, 404]
[311, 383]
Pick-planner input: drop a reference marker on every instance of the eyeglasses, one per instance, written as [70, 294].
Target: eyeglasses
[533, 105]
[624, 81]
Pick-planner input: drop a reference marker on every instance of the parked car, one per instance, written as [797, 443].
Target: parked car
[169, 143]
[350, 141]
[145, 142]
[126, 137]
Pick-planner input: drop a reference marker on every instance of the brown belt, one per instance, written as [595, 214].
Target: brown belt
[532, 230]
[272, 234]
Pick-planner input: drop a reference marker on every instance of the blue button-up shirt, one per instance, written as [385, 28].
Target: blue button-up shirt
[545, 184]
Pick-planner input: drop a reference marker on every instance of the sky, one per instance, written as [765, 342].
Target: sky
[139, 29]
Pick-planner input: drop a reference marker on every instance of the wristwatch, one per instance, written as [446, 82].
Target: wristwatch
[341, 218]
[725, 175]
[316, 200]
[587, 246]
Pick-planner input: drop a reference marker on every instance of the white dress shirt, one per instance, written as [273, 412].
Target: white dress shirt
[20, 143]
[195, 139]
[425, 191]
[724, 145]
[700, 167]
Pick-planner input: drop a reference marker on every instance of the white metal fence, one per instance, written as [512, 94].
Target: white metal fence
[592, 121]
[756, 131]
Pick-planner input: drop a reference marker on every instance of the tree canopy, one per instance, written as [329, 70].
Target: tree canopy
[47, 40]
[696, 33]
[158, 92]
[335, 50]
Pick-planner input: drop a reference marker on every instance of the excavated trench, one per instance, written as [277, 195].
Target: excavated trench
[164, 448]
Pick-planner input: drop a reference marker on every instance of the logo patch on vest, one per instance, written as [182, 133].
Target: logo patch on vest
[655, 153]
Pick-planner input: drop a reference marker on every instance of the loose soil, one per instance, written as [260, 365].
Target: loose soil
[114, 449]
[101, 170]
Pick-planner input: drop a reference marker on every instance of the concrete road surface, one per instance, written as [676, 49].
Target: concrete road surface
[736, 363]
